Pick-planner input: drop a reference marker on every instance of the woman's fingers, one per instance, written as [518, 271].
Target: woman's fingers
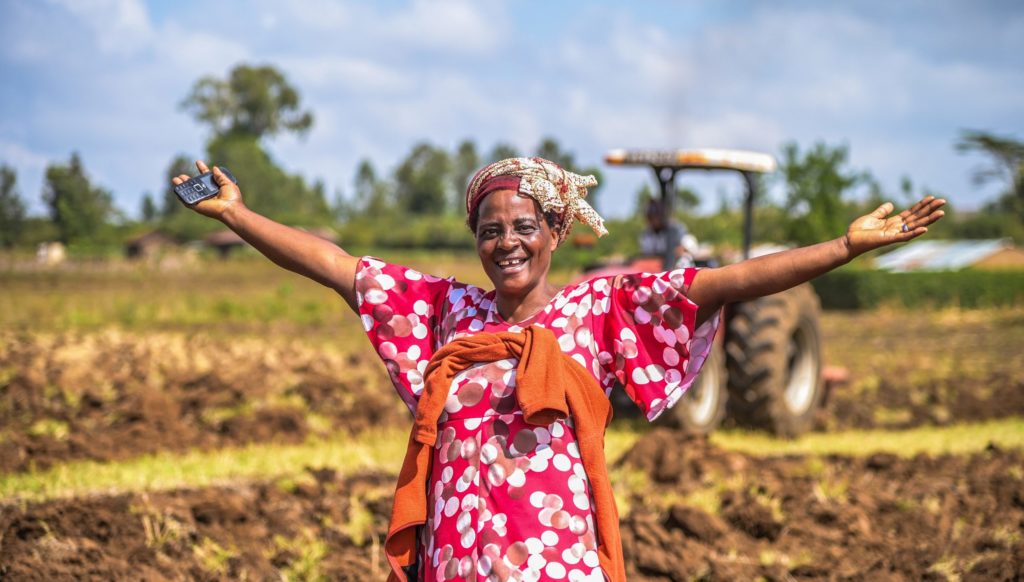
[923, 213]
[929, 212]
[201, 166]
[916, 207]
[926, 216]
[180, 179]
[219, 176]
[882, 211]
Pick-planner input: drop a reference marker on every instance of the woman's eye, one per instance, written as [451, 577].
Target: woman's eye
[526, 229]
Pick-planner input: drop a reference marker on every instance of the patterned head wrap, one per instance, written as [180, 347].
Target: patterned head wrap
[554, 188]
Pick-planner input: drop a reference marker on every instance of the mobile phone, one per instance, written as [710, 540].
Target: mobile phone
[201, 187]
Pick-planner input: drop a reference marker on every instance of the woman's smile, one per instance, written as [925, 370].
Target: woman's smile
[512, 264]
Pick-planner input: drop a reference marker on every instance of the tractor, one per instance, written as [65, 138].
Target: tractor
[765, 370]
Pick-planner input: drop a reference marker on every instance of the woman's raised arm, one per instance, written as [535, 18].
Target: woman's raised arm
[713, 288]
[293, 249]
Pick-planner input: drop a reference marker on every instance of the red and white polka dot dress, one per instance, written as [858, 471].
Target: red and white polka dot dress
[508, 500]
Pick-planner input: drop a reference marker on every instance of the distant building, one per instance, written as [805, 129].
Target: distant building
[51, 253]
[952, 255]
[324, 232]
[149, 245]
[224, 241]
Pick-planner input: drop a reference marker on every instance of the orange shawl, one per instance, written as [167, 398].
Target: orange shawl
[549, 385]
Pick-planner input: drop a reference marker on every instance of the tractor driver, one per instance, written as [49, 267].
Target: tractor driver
[665, 238]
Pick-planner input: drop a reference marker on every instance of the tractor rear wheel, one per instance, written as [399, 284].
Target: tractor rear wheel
[702, 408]
[773, 357]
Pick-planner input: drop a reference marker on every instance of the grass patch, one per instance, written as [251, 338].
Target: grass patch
[246, 293]
[381, 450]
[953, 439]
[213, 556]
[309, 551]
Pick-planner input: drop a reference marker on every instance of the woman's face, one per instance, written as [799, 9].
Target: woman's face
[514, 243]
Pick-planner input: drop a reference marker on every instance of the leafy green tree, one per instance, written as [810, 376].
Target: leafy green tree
[1007, 164]
[148, 209]
[252, 101]
[816, 183]
[373, 195]
[171, 204]
[502, 151]
[283, 196]
[465, 162]
[423, 179]
[550, 149]
[79, 210]
[12, 209]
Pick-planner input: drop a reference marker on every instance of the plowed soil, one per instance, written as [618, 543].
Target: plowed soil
[876, 518]
[114, 395]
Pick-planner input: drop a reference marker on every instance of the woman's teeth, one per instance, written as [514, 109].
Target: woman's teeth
[510, 262]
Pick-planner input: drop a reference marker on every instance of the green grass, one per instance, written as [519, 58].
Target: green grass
[384, 450]
[371, 451]
[246, 294]
[952, 439]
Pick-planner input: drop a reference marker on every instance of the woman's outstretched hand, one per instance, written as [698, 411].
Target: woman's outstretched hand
[229, 195]
[878, 229]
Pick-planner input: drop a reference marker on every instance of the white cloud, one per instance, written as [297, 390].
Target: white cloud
[193, 52]
[30, 166]
[452, 26]
[19, 155]
[311, 14]
[119, 26]
[348, 75]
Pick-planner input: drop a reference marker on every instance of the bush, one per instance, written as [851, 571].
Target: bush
[860, 289]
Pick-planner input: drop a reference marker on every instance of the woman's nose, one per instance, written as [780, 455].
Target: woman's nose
[508, 240]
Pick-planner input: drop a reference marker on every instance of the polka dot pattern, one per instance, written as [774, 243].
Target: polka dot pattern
[509, 500]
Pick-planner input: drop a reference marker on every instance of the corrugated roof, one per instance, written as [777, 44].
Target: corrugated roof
[940, 255]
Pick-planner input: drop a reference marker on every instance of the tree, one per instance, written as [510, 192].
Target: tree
[78, 209]
[281, 195]
[12, 209]
[373, 195]
[815, 185]
[502, 151]
[550, 149]
[466, 161]
[252, 101]
[171, 203]
[422, 180]
[1007, 164]
[148, 209]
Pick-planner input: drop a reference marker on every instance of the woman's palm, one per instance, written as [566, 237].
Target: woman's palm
[878, 229]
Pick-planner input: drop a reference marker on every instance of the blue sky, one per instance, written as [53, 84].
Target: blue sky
[895, 81]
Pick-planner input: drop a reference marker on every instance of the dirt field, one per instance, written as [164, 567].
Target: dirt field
[708, 514]
[114, 395]
[71, 392]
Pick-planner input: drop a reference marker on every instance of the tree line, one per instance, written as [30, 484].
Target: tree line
[419, 203]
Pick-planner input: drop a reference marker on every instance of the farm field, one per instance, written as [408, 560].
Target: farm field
[229, 421]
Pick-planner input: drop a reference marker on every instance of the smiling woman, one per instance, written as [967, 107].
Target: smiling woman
[504, 478]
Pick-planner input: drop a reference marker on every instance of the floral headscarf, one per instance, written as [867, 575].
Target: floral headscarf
[554, 188]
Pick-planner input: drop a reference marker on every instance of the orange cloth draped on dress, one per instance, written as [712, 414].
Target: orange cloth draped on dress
[549, 386]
